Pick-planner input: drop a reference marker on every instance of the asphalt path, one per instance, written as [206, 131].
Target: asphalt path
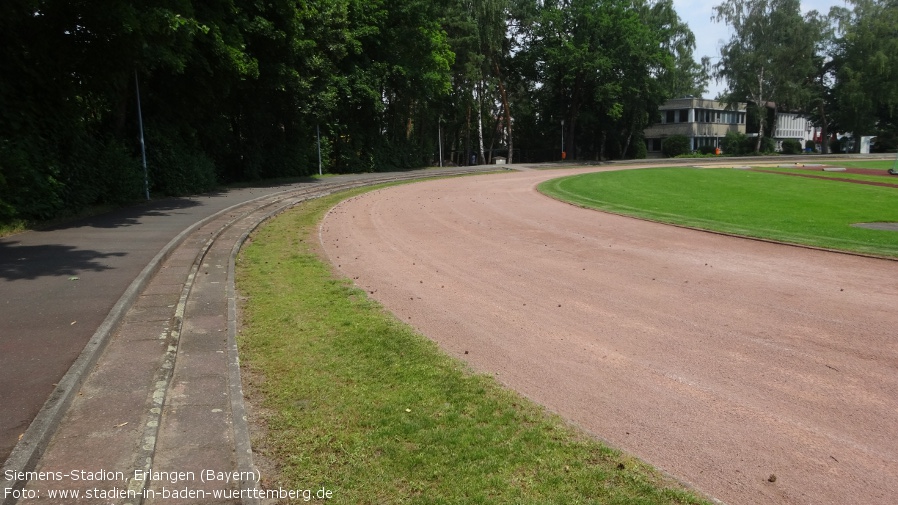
[57, 286]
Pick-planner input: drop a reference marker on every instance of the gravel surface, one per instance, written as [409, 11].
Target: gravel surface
[756, 372]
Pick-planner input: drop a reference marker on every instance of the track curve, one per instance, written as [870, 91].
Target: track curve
[722, 361]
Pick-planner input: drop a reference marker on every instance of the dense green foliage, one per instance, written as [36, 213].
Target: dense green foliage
[675, 145]
[236, 90]
[864, 97]
[769, 55]
[839, 68]
[791, 146]
[773, 206]
[598, 71]
[230, 90]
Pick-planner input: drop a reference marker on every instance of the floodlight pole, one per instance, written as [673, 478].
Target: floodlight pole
[318, 135]
[143, 148]
[562, 140]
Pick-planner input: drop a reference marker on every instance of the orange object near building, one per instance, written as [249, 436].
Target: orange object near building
[563, 155]
[717, 151]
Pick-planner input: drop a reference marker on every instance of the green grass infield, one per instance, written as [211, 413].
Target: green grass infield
[353, 401]
[779, 207]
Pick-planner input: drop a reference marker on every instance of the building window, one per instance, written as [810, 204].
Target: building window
[670, 116]
[684, 115]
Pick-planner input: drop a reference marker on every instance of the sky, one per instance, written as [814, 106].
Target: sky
[709, 35]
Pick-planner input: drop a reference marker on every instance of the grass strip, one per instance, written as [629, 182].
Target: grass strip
[790, 209]
[358, 403]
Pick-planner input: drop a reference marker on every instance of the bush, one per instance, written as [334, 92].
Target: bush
[706, 149]
[177, 166]
[696, 154]
[791, 146]
[886, 142]
[638, 149]
[835, 146]
[810, 144]
[768, 145]
[30, 188]
[675, 145]
[734, 143]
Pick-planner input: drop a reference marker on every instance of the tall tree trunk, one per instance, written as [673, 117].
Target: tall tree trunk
[762, 112]
[575, 113]
[629, 137]
[508, 127]
[824, 139]
[467, 160]
[493, 139]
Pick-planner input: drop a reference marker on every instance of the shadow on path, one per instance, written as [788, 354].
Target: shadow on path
[31, 262]
[131, 216]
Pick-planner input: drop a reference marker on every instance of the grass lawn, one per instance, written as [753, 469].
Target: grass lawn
[791, 209]
[356, 402]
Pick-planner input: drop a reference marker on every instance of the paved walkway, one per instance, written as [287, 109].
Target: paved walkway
[60, 284]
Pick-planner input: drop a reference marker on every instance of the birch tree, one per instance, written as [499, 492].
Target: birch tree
[768, 56]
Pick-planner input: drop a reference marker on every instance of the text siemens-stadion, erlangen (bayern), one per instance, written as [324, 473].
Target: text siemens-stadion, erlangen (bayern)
[172, 477]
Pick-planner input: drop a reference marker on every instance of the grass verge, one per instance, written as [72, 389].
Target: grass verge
[359, 404]
[789, 209]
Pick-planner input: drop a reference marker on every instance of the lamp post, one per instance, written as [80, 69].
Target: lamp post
[143, 147]
[562, 140]
[318, 135]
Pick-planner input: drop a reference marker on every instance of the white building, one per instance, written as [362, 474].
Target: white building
[792, 126]
[705, 122]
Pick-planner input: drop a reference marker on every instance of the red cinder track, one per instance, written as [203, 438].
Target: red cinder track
[720, 360]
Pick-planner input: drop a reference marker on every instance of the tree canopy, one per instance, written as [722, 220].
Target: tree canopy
[840, 68]
[235, 90]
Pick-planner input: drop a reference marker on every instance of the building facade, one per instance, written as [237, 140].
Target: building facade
[704, 122]
[790, 125]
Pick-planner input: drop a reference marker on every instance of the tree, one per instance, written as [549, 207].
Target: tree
[866, 67]
[769, 55]
[602, 67]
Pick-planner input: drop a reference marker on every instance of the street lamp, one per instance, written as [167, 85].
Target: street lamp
[318, 135]
[143, 147]
[562, 140]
